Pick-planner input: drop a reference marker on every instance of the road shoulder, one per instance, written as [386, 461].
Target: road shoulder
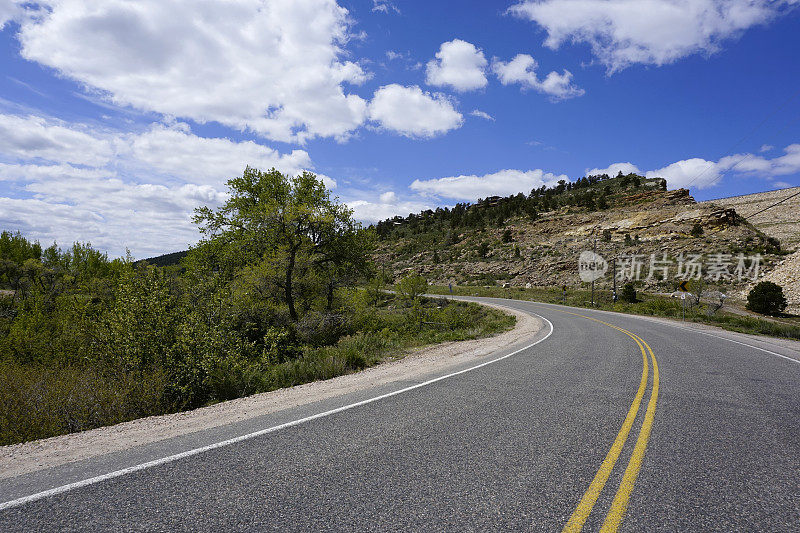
[29, 457]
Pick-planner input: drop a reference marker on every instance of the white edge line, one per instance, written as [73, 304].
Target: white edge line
[792, 359]
[654, 319]
[117, 473]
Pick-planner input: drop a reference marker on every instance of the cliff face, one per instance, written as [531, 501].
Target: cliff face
[781, 221]
[544, 252]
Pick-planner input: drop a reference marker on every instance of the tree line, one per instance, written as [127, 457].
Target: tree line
[593, 193]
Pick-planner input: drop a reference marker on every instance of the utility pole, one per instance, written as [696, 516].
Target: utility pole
[594, 252]
[614, 277]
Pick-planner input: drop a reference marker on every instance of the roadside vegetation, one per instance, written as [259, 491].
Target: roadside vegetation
[638, 303]
[280, 291]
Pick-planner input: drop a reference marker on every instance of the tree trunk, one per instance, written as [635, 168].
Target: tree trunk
[288, 285]
[330, 296]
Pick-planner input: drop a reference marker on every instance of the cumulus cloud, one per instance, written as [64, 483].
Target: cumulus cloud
[625, 32]
[702, 174]
[9, 9]
[481, 114]
[177, 152]
[458, 64]
[522, 70]
[388, 197]
[371, 212]
[412, 112]
[120, 189]
[34, 137]
[613, 169]
[501, 183]
[273, 67]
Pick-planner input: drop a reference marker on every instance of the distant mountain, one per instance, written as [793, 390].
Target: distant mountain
[167, 259]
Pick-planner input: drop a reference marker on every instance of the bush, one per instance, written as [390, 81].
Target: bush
[628, 293]
[766, 298]
[507, 236]
[412, 286]
[697, 230]
[322, 329]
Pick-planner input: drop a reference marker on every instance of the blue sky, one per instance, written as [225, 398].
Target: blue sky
[118, 117]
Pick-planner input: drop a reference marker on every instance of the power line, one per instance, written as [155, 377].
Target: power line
[731, 149]
[773, 205]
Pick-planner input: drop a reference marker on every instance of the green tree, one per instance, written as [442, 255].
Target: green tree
[628, 293]
[411, 287]
[766, 298]
[291, 221]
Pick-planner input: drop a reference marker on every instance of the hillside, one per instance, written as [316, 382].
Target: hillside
[536, 239]
[781, 221]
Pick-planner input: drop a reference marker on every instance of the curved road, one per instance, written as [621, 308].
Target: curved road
[564, 431]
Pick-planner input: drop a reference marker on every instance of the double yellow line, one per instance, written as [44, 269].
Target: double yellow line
[617, 511]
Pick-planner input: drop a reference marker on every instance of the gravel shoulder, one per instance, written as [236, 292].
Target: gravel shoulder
[19, 459]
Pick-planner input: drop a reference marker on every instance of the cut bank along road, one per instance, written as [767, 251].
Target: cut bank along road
[516, 444]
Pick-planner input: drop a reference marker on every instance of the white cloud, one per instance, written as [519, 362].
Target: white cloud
[119, 190]
[34, 137]
[388, 197]
[696, 172]
[383, 6]
[274, 67]
[702, 174]
[481, 114]
[459, 65]
[176, 151]
[413, 113]
[501, 183]
[614, 169]
[625, 32]
[9, 9]
[106, 211]
[765, 148]
[371, 212]
[522, 70]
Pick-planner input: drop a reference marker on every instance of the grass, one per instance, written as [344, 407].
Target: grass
[648, 305]
[39, 401]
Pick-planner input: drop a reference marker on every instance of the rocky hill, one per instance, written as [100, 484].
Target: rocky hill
[781, 221]
[536, 239]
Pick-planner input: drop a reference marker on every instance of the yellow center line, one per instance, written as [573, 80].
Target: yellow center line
[620, 503]
[586, 504]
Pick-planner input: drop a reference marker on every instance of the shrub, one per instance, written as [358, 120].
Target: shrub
[483, 249]
[697, 230]
[280, 345]
[507, 236]
[766, 298]
[322, 329]
[412, 286]
[628, 293]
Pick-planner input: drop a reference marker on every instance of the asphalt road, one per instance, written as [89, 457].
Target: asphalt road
[535, 442]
